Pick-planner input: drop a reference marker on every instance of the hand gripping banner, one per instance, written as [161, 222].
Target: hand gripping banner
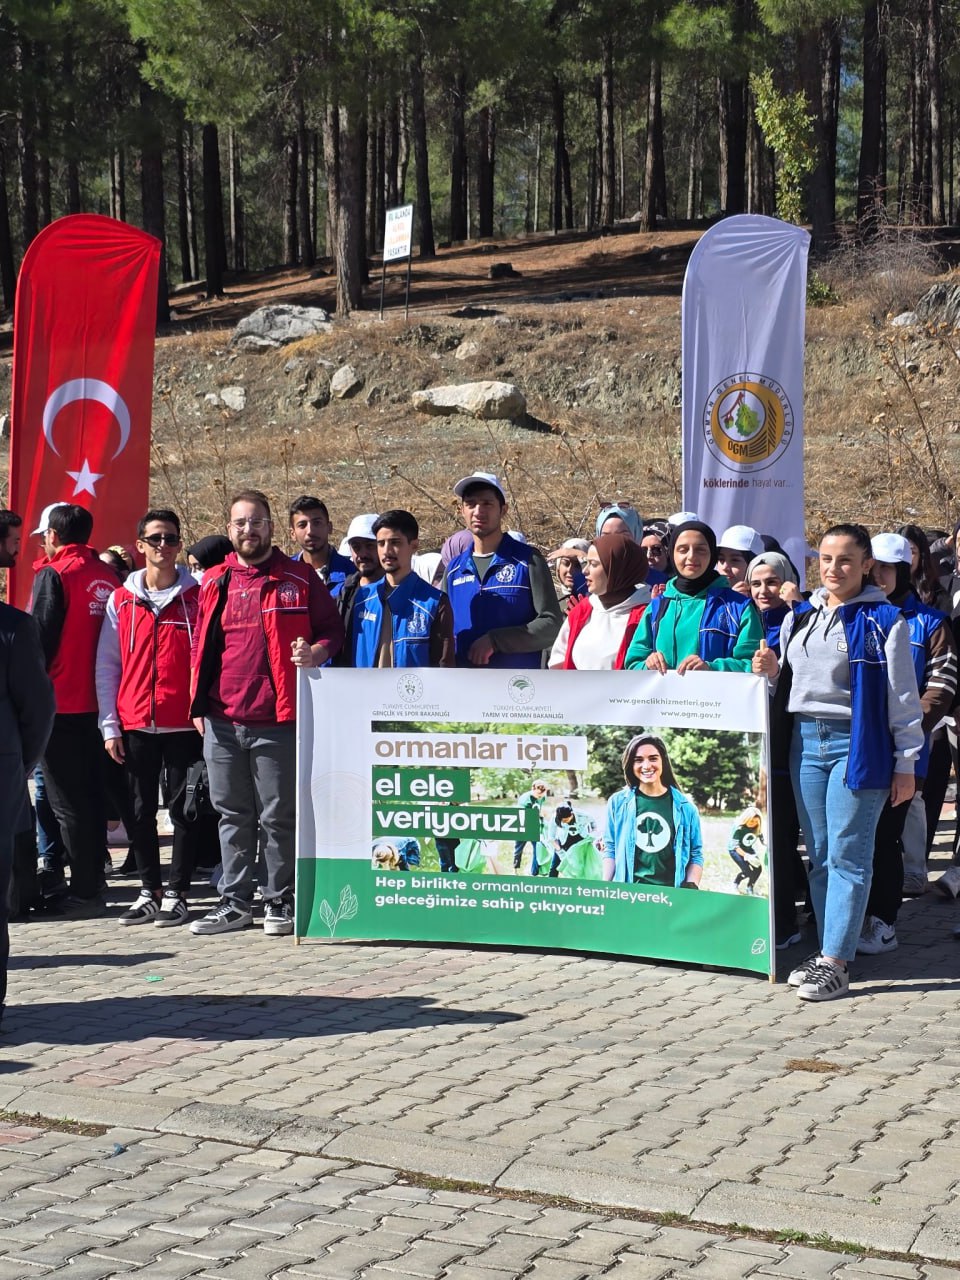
[744, 303]
[83, 378]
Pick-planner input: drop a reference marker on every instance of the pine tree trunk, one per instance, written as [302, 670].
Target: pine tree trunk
[151, 188]
[403, 154]
[819, 185]
[608, 156]
[291, 241]
[732, 113]
[486, 153]
[392, 161]
[238, 237]
[191, 183]
[871, 180]
[214, 241]
[654, 181]
[349, 240]
[830, 88]
[428, 248]
[559, 154]
[70, 129]
[370, 185]
[935, 85]
[458, 156]
[27, 147]
[331, 164]
[363, 138]
[381, 180]
[183, 216]
[307, 252]
[8, 274]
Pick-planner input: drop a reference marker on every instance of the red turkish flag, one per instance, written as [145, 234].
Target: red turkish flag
[83, 338]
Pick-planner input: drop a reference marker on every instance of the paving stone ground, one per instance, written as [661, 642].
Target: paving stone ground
[267, 1096]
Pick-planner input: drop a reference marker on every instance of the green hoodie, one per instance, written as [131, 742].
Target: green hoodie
[678, 635]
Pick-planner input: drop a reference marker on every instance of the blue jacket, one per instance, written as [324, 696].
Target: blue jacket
[620, 838]
[772, 620]
[413, 606]
[923, 620]
[866, 626]
[504, 598]
[339, 568]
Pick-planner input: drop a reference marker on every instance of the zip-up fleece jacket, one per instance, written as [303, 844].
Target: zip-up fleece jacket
[885, 713]
[285, 614]
[719, 625]
[70, 594]
[143, 658]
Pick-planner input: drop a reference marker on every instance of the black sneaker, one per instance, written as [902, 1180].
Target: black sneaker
[144, 911]
[173, 911]
[278, 918]
[226, 917]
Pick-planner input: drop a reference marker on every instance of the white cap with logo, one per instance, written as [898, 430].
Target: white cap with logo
[740, 537]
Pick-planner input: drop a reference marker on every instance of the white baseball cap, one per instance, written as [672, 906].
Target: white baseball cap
[479, 477]
[44, 524]
[890, 548]
[681, 517]
[740, 537]
[362, 527]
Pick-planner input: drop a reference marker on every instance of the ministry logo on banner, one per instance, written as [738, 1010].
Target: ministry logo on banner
[744, 308]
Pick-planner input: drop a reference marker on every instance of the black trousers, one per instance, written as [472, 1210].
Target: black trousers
[73, 771]
[886, 887]
[147, 756]
[789, 873]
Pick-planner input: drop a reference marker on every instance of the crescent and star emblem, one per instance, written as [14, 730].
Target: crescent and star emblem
[101, 393]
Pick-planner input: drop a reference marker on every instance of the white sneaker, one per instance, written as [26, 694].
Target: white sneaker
[799, 975]
[278, 918]
[948, 886]
[226, 917]
[825, 981]
[876, 937]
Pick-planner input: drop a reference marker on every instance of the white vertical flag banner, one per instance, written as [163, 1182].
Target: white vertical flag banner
[744, 306]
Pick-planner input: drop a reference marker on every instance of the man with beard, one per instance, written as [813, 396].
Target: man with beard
[261, 616]
[310, 529]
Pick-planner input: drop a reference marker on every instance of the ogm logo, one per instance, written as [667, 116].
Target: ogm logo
[747, 422]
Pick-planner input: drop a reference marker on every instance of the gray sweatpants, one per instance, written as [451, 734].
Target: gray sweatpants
[252, 770]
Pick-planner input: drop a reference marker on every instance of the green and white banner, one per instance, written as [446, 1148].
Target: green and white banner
[612, 811]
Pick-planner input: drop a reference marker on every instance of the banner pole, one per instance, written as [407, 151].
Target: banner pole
[406, 309]
[383, 281]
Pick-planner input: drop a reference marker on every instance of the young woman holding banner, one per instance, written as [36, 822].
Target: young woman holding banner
[846, 676]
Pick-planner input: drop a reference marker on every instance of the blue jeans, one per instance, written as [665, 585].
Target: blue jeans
[839, 826]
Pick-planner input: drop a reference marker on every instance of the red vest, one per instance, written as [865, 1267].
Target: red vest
[579, 617]
[155, 659]
[87, 586]
[285, 614]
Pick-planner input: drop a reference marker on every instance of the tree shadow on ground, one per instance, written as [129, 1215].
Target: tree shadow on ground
[110, 1019]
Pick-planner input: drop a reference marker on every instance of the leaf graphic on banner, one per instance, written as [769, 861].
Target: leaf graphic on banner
[327, 916]
[747, 420]
[349, 906]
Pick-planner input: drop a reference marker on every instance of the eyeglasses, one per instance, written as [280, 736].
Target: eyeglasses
[162, 540]
[624, 506]
[252, 522]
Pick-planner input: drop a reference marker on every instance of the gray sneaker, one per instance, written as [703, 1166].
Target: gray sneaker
[948, 886]
[226, 917]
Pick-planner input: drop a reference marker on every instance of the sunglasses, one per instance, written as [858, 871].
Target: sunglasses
[162, 540]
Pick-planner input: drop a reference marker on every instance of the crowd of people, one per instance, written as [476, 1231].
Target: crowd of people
[156, 671]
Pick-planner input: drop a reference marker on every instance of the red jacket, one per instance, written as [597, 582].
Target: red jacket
[579, 617]
[143, 661]
[70, 595]
[285, 615]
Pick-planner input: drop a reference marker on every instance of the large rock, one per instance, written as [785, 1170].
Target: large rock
[345, 382]
[941, 305]
[234, 397]
[476, 399]
[270, 327]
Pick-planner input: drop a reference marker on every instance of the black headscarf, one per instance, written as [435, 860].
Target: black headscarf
[210, 551]
[693, 586]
